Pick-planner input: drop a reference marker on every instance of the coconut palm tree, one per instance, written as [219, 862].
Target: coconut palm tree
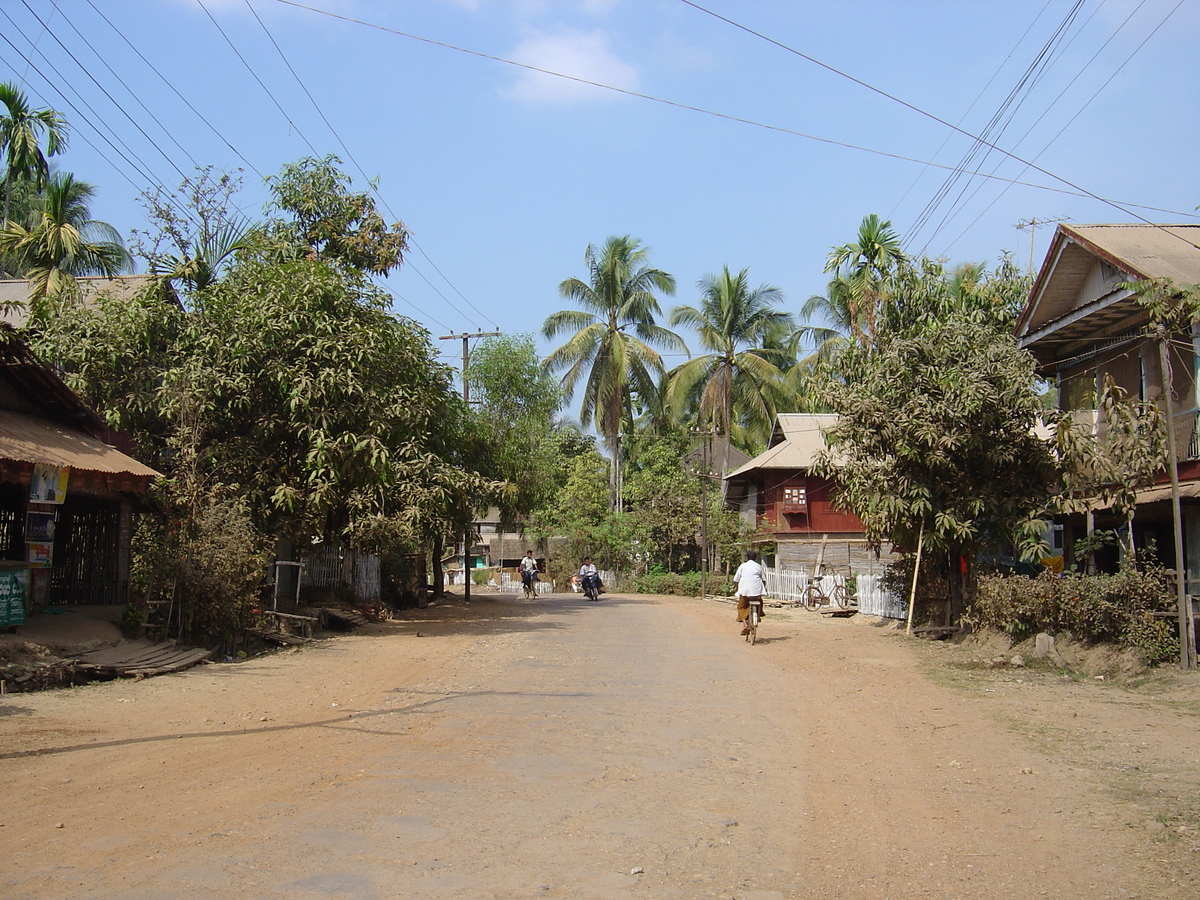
[60, 240]
[610, 347]
[747, 339]
[864, 265]
[21, 131]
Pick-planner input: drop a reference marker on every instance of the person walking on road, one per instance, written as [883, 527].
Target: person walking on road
[749, 583]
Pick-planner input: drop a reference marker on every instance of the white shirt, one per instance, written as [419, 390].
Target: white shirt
[749, 579]
[587, 569]
[528, 564]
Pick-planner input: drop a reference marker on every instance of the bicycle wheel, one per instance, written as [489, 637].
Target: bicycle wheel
[841, 596]
[752, 637]
[813, 598]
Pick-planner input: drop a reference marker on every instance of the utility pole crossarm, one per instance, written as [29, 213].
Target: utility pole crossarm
[466, 338]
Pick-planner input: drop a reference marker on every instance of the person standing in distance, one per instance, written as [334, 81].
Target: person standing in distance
[749, 583]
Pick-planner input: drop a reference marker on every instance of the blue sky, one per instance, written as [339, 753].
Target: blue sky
[504, 175]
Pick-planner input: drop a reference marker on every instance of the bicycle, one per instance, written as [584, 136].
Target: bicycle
[753, 617]
[529, 585]
[816, 595]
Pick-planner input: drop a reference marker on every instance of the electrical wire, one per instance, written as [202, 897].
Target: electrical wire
[356, 164]
[1071, 189]
[175, 90]
[1126, 209]
[104, 90]
[1085, 105]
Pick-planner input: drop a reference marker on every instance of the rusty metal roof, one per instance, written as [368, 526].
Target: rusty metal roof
[33, 439]
[795, 441]
[1078, 299]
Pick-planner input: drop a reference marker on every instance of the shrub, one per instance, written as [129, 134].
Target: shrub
[1117, 609]
[686, 584]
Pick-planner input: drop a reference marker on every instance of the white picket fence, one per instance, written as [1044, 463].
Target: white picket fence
[510, 585]
[789, 586]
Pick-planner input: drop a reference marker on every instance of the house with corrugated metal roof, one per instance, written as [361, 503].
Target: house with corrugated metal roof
[1083, 325]
[67, 495]
[777, 493]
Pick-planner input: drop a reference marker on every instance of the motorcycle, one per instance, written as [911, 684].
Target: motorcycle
[591, 586]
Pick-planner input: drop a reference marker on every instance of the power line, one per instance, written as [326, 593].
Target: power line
[175, 90]
[104, 91]
[356, 164]
[916, 109]
[1071, 190]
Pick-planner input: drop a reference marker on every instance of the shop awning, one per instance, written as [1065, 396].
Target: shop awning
[33, 439]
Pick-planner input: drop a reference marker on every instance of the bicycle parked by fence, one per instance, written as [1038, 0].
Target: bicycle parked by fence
[828, 589]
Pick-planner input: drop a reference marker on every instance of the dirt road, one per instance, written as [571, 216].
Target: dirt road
[631, 748]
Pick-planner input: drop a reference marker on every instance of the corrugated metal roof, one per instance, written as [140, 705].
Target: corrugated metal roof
[795, 441]
[32, 439]
[14, 293]
[1058, 316]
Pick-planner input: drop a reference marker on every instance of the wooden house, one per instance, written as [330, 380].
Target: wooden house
[1083, 325]
[777, 493]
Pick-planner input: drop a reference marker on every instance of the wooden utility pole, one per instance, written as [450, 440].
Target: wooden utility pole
[466, 394]
[1032, 225]
[1187, 622]
[466, 339]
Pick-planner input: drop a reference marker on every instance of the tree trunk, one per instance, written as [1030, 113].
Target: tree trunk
[438, 575]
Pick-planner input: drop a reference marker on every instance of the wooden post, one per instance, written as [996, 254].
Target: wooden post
[912, 595]
[1187, 623]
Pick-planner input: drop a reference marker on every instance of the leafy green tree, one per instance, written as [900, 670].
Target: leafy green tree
[936, 437]
[330, 221]
[734, 387]
[664, 503]
[60, 240]
[612, 337]
[516, 401]
[285, 389]
[21, 131]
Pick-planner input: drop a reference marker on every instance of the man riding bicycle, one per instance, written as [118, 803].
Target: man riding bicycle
[529, 571]
[750, 588]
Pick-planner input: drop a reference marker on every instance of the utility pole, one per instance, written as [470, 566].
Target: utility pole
[1032, 225]
[466, 339]
[466, 393]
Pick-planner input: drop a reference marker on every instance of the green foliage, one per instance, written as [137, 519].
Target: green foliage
[664, 502]
[937, 428]
[1116, 609]
[612, 339]
[210, 554]
[515, 401]
[330, 222]
[480, 576]
[734, 388]
[686, 584]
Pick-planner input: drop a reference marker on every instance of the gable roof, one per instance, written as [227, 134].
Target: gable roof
[1054, 317]
[795, 442]
[14, 292]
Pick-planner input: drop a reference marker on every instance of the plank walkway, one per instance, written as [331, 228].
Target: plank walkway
[140, 658]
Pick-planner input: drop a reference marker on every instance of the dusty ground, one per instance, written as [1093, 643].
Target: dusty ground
[631, 748]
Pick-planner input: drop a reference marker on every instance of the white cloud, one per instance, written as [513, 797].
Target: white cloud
[578, 54]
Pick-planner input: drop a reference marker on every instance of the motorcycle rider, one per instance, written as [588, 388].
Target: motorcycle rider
[589, 575]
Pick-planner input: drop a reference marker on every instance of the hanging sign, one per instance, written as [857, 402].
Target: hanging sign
[40, 555]
[39, 526]
[49, 483]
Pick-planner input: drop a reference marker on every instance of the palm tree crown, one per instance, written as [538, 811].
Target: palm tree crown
[612, 335]
[60, 240]
[733, 388]
[863, 265]
[21, 130]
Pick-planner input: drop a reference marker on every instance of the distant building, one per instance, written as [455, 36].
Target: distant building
[777, 493]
